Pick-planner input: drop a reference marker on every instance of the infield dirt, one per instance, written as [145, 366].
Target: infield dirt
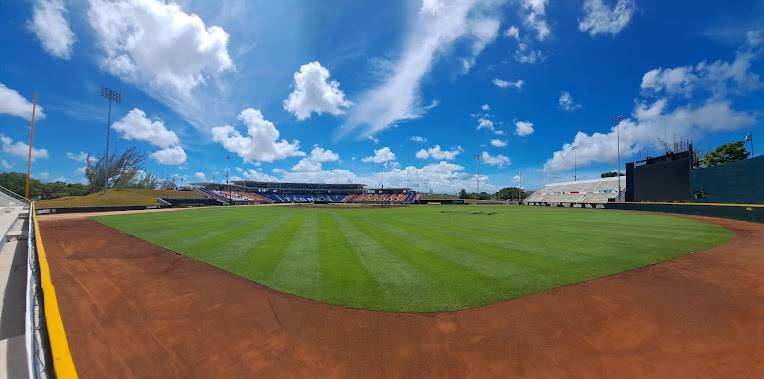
[132, 309]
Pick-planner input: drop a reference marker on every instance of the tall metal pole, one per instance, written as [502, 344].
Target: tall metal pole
[575, 164]
[617, 120]
[31, 140]
[111, 96]
[477, 178]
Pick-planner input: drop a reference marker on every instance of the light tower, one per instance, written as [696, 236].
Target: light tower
[617, 121]
[113, 97]
[575, 162]
[477, 178]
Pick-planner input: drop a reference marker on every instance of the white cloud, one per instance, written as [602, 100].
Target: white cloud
[505, 84]
[645, 127]
[484, 32]
[317, 156]
[526, 54]
[437, 27]
[81, 157]
[523, 128]
[418, 139]
[5, 164]
[484, 123]
[485, 107]
[497, 160]
[495, 142]
[160, 48]
[200, 176]
[602, 19]
[754, 38]
[717, 78]
[315, 93]
[172, 155]
[252, 174]
[436, 153]
[136, 126]
[512, 32]
[49, 24]
[567, 103]
[382, 155]
[261, 144]
[12, 103]
[535, 17]
[20, 149]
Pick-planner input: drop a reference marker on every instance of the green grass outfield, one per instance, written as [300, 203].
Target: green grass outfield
[424, 258]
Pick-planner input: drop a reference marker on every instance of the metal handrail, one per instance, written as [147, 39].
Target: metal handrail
[14, 195]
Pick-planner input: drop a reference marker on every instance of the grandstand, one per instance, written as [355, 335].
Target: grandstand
[579, 193]
[252, 192]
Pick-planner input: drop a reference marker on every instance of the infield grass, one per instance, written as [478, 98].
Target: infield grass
[423, 258]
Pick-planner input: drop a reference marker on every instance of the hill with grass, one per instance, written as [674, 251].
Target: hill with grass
[117, 198]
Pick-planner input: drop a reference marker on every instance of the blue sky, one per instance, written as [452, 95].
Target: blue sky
[402, 92]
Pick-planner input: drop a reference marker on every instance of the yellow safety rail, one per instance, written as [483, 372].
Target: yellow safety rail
[59, 345]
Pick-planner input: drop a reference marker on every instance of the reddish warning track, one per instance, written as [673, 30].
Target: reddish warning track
[132, 309]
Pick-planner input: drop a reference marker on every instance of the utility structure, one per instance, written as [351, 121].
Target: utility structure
[617, 121]
[748, 138]
[477, 157]
[230, 195]
[575, 163]
[113, 97]
[31, 140]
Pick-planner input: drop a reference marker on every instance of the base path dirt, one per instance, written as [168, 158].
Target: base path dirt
[132, 309]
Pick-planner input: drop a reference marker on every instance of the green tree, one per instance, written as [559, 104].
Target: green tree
[508, 193]
[16, 181]
[610, 174]
[463, 194]
[123, 171]
[726, 153]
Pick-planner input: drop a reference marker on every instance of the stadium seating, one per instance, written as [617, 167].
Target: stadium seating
[595, 191]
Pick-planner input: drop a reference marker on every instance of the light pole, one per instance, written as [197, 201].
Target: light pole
[230, 195]
[617, 121]
[31, 140]
[116, 97]
[749, 138]
[575, 163]
[477, 178]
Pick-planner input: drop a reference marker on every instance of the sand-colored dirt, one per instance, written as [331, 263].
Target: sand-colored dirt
[132, 309]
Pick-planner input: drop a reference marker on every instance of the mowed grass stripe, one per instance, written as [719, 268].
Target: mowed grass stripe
[420, 258]
[300, 260]
[457, 280]
[260, 260]
[344, 277]
[402, 284]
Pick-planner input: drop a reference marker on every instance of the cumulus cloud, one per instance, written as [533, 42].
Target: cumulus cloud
[261, 144]
[20, 149]
[200, 176]
[172, 155]
[382, 155]
[602, 19]
[314, 92]
[313, 162]
[136, 126]
[523, 128]
[5, 164]
[495, 142]
[497, 160]
[717, 78]
[642, 130]
[438, 25]
[49, 24]
[535, 17]
[418, 139]
[436, 153]
[485, 107]
[485, 123]
[506, 84]
[512, 33]
[567, 103]
[12, 103]
[160, 48]
[526, 54]
[81, 157]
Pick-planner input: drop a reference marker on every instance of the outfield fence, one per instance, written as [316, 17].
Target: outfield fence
[48, 354]
[744, 212]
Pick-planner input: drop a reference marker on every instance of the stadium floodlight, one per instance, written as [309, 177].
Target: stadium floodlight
[574, 148]
[477, 178]
[113, 97]
[617, 121]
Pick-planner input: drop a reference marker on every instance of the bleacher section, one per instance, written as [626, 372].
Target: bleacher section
[583, 192]
[265, 192]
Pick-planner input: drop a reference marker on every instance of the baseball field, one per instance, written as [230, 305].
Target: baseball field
[420, 259]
